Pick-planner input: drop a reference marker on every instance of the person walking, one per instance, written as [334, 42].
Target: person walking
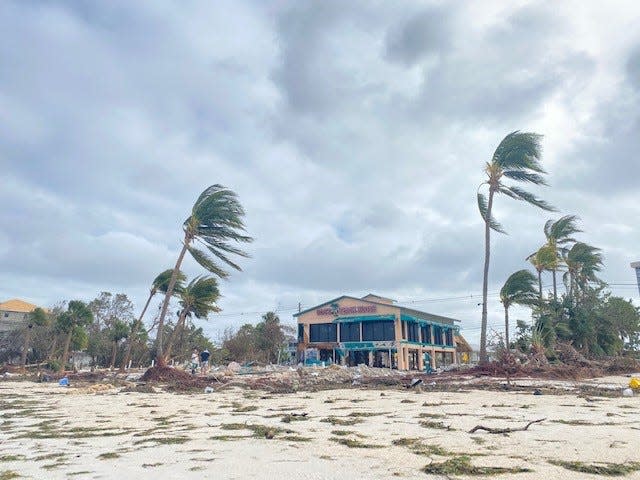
[194, 361]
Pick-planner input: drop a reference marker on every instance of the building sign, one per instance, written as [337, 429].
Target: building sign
[335, 309]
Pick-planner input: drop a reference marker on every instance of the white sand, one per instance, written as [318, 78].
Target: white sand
[199, 417]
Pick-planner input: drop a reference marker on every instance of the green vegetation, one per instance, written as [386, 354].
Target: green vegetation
[462, 466]
[607, 469]
[108, 455]
[353, 443]
[8, 475]
[343, 422]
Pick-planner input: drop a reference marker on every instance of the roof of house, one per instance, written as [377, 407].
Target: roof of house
[462, 345]
[367, 298]
[17, 305]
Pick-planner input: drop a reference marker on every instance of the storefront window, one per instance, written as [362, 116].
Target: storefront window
[323, 332]
[350, 332]
[378, 331]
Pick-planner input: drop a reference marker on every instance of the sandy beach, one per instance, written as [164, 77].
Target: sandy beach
[101, 432]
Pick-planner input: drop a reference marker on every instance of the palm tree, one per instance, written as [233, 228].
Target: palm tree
[117, 332]
[519, 289]
[159, 284]
[37, 318]
[517, 158]
[559, 235]
[197, 299]
[77, 315]
[541, 261]
[216, 219]
[583, 261]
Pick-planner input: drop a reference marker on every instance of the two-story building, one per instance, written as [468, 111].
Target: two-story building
[372, 330]
[14, 314]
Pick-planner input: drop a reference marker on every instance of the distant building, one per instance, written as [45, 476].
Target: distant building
[373, 330]
[14, 314]
[636, 266]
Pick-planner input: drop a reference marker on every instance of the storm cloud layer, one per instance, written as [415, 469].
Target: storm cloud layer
[354, 133]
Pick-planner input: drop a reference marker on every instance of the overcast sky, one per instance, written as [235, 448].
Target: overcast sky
[354, 133]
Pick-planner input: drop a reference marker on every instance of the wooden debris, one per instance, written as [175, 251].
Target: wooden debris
[505, 430]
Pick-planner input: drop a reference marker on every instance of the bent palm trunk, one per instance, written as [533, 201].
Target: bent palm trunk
[160, 357]
[485, 280]
[133, 336]
[174, 335]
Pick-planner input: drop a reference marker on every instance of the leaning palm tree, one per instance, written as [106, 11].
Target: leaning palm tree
[559, 236]
[197, 299]
[216, 220]
[583, 261]
[542, 260]
[517, 158]
[519, 289]
[159, 284]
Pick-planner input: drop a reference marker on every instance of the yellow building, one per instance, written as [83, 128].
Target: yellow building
[372, 330]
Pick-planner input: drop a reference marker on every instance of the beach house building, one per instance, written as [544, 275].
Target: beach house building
[375, 331]
[14, 314]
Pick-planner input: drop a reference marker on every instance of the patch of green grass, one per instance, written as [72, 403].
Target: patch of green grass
[431, 415]
[406, 400]
[229, 438]
[462, 466]
[436, 425]
[367, 414]
[607, 469]
[343, 422]
[294, 418]
[237, 408]
[151, 465]
[497, 417]
[342, 433]
[233, 426]
[416, 446]
[479, 440]
[108, 455]
[295, 438]
[259, 431]
[353, 443]
[164, 440]
[197, 468]
[49, 456]
[582, 423]
[83, 472]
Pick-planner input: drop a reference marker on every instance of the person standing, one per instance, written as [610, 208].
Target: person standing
[194, 361]
[204, 361]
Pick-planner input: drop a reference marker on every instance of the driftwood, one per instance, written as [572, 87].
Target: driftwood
[505, 430]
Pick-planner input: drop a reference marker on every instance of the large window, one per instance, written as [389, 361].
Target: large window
[300, 332]
[449, 337]
[426, 334]
[378, 331]
[413, 332]
[437, 335]
[322, 332]
[350, 332]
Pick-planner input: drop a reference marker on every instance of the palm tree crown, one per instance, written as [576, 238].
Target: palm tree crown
[519, 289]
[517, 158]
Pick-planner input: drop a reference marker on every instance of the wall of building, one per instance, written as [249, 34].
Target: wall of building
[12, 320]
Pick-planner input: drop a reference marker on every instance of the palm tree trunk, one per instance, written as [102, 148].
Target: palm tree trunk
[113, 355]
[160, 357]
[54, 345]
[506, 328]
[555, 289]
[174, 334]
[540, 286]
[27, 341]
[65, 352]
[134, 330]
[485, 280]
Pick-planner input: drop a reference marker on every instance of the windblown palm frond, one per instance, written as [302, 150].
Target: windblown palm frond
[519, 289]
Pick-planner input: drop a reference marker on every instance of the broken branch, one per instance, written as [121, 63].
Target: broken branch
[505, 430]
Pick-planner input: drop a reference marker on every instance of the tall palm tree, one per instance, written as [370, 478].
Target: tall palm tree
[519, 289]
[37, 318]
[216, 220]
[559, 236]
[197, 299]
[159, 284]
[583, 261]
[77, 315]
[517, 158]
